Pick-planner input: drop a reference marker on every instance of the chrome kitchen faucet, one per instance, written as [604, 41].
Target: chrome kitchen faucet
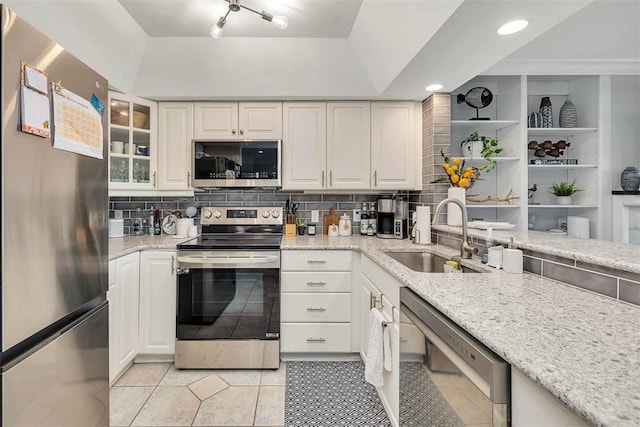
[466, 248]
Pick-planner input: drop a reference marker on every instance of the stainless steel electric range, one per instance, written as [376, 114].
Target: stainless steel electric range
[229, 290]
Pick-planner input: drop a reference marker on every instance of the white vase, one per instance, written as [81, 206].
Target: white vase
[473, 149]
[563, 200]
[454, 214]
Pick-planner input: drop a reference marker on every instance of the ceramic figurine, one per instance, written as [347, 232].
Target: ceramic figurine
[546, 112]
[568, 115]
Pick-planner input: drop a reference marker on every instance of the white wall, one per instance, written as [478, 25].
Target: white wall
[625, 125]
[99, 32]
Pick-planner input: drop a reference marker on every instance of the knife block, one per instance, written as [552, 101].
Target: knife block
[290, 230]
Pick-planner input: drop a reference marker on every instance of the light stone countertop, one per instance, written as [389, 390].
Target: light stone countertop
[582, 347]
[121, 246]
[599, 252]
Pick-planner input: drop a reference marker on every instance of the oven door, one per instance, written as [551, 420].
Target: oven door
[446, 387]
[231, 295]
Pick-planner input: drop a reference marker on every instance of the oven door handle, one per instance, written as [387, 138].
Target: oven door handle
[228, 262]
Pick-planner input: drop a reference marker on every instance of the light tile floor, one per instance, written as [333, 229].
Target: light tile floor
[158, 394]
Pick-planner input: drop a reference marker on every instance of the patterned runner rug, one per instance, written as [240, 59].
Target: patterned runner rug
[331, 394]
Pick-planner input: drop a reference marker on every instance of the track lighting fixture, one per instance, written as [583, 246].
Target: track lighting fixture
[234, 6]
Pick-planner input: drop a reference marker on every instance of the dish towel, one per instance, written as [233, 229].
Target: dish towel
[379, 350]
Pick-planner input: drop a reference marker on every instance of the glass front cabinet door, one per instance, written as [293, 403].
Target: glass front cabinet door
[132, 143]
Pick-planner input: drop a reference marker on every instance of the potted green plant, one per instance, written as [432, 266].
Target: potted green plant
[482, 146]
[563, 192]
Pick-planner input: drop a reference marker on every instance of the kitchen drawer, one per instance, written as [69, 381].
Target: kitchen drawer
[316, 260]
[315, 337]
[324, 281]
[316, 307]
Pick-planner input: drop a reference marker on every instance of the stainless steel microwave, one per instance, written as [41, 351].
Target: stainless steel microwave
[237, 163]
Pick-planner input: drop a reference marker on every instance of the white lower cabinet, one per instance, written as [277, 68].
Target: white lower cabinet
[123, 313]
[379, 289]
[157, 303]
[532, 406]
[316, 302]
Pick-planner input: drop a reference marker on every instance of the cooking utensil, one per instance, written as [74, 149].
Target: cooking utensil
[330, 218]
[169, 224]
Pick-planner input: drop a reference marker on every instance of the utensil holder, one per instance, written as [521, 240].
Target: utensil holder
[290, 230]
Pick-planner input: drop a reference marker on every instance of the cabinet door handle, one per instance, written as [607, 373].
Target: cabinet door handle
[323, 178]
[233, 131]
[154, 180]
[316, 309]
[375, 178]
[316, 261]
[316, 340]
[316, 283]
[188, 179]
[173, 264]
[241, 131]
[330, 178]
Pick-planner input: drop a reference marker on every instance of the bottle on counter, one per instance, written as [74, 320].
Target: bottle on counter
[373, 219]
[364, 220]
[156, 222]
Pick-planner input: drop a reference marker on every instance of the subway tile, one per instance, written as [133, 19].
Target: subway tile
[448, 241]
[549, 257]
[306, 197]
[119, 199]
[211, 197]
[630, 291]
[609, 270]
[128, 206]
[242, 197]
[273, 197]
[337, 197]
[584, 279]
[532, 265]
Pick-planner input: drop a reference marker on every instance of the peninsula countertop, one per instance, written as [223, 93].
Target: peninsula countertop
[582, 347]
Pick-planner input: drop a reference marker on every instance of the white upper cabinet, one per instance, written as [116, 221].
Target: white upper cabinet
[233, 120]
[348, 145]
[132, 140]
[175, 132]
[394, 146]
[304, 146]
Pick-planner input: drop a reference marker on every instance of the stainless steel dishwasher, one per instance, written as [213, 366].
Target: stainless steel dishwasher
[447, 377]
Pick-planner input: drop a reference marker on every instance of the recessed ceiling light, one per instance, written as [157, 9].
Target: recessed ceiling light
[513, 27]
[434, 87]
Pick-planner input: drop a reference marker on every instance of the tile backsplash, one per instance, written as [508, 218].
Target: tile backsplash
[142, 207]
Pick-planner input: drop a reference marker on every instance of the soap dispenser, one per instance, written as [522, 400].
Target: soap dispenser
[489, 243]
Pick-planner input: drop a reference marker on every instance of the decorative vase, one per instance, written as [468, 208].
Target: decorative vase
[473, 149]
[630, 179]
[563, 200]
[535, 120]
[568, 115]
[454, 214]
[546, 112]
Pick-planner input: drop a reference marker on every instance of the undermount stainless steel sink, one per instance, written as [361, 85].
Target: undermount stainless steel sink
[425, 262]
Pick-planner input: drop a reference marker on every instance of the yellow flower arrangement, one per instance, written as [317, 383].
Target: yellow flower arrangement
[457, 174]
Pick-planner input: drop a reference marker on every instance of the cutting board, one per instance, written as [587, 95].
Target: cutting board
[330, 218]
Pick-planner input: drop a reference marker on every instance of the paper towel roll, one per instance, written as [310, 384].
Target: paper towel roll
[423, 225]
[116, 227]
[578, 226]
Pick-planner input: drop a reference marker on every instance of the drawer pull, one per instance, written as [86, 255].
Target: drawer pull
[316, 309]
[316, 340]
[316, 261]
[316, 283]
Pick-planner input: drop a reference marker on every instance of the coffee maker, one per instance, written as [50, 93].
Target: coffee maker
[401, 218]
[386, 217]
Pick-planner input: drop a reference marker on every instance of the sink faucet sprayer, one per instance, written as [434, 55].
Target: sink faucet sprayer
[467, 248]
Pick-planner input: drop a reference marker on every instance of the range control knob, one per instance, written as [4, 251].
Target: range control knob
[217, 213]
[275, 213]
[265, 214]
[206, 213]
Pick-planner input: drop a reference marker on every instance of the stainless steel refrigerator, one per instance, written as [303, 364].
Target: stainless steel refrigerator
[55, 361]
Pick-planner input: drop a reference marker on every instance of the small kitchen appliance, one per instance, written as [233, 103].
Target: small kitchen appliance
[401, 218]
[386, 217]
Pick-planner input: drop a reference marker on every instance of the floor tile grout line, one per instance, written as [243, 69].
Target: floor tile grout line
[142, 406]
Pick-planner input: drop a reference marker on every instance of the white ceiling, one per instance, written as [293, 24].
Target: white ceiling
[335, 49]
